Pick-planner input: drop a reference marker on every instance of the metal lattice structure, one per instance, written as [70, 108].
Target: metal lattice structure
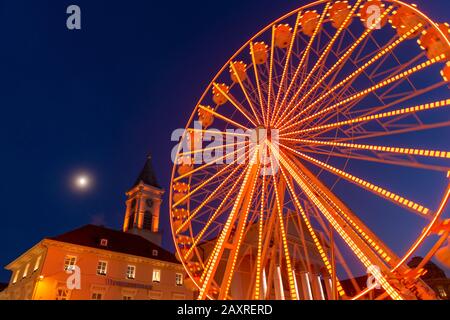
[357, 93]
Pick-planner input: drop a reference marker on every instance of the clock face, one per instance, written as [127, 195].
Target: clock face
[149, 203]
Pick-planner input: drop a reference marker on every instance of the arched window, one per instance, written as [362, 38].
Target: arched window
[148, 217]
[132, 214]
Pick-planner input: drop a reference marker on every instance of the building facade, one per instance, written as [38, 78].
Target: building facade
[98, 263]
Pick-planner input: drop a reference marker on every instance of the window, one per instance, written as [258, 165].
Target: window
[148, 217]
[442, 292]
[155, 253]
[62, 293]
[127, 298]
[69, 263]
[156, 275]
[179, 279]
[131, 216]
[101, 268]
[96, 296]
[131, 272]
[37, 263]
[104, 242]
[25, 271]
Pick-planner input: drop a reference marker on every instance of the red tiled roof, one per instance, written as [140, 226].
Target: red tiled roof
[118, 241]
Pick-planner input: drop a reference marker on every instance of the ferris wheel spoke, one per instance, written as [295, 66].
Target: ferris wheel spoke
[378, 110]
[209, 272]
[351, 219]
[321, 59]
[341, 61]
[305, 55]
[311, 231]
[202, 150]
[208, 180]
[270, 83]
[286, 66]
[355, 156]
[237, 238]
[217, 211]
[237, 134]
[359, 248]
[218, 190]
[257, 80]
[388, 149]
[384, 52]
[207, 164]
[382, 192]
[258, 272]
[364, 92]
[335, 249]
[291, 274]
[236, 104]
[366, 118]
[220, 116]
[399, 131]
[426, 232]
[247, 97]
[268, 232]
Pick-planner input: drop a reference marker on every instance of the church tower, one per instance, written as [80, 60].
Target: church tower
[143, 205]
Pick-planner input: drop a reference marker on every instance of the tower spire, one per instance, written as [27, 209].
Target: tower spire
[147, 175]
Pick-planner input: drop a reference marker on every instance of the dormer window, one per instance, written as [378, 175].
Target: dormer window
[155, 253]
[104, 242]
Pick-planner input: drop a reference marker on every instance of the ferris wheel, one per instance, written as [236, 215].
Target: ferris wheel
[318, 154]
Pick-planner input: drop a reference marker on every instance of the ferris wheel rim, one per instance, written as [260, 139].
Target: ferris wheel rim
[243, 47]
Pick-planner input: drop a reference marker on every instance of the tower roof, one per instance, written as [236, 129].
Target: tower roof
[147, 175]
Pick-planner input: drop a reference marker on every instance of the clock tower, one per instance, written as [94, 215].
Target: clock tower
[143, 205]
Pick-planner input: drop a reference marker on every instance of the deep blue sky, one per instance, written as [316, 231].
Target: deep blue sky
[101, 98]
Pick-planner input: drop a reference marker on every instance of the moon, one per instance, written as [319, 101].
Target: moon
[82, 181]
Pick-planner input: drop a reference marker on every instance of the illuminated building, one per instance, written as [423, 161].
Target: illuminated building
[113, 265]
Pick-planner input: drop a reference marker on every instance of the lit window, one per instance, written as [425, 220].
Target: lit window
[101, 268]
[25, 271]
[16, 275]
[179, 279]
[104, 242]
[37, 263]
[156, 275]
[442, 292]
[127, 298]
[62, 294]
[96, 296]
[131, 272]
[155, 253]
[69, 263]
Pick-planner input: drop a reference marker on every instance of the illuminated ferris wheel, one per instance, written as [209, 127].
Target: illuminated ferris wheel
[350, 173]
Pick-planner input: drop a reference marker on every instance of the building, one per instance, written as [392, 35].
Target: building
[94, 262]
[434, 277]
[312, 279]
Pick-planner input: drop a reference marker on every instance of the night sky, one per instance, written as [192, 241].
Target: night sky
[100, 99]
